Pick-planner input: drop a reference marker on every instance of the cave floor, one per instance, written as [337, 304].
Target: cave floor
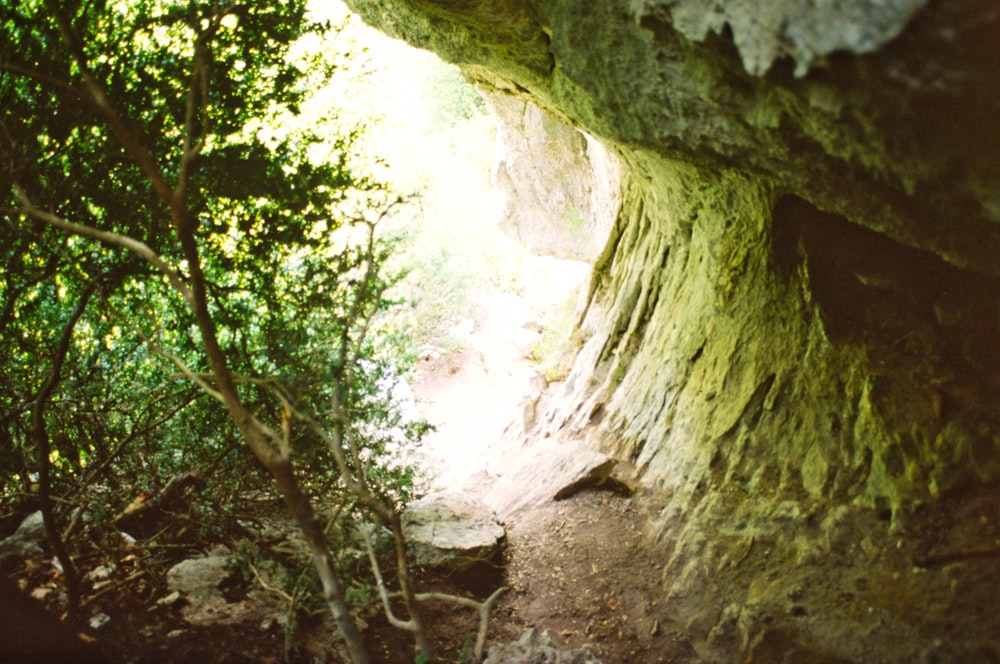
[579, 569]
[582, 570]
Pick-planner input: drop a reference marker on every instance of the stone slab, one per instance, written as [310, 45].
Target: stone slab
[548, 470]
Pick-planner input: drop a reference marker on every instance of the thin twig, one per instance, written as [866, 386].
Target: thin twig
[112, 586]
[265, 586]
[218, 396]
[380, 582]
[484, 608]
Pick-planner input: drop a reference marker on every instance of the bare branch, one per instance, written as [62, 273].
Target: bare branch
[200, 381]
[45, 79]
[354, 485]
[43, 446]
[370, 273]
[197, 100]
[194, 376]
[408, 625]
[285, 444]
[484, 608]
[269, 588]
[93, 472]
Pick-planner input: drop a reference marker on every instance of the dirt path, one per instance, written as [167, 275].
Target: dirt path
[580, 569]
[471, 394]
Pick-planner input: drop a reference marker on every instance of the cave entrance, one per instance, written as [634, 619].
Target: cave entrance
[498, 246]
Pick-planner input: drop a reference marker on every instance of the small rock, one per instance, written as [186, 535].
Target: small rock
[99, 620]
[533, 326]
[99, 573]
[429, 352]
[170, 599]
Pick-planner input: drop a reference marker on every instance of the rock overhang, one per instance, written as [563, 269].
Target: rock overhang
[880, 112]
[791, 333]
[899, 141]
[806, 32]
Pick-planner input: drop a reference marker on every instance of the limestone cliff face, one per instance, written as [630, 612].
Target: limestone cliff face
[795, 324]
[558, 187]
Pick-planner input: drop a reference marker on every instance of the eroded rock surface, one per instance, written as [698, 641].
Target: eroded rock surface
[559, 187]
[766, 31]
[548, 470]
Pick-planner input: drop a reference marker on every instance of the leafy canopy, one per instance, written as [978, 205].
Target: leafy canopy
[191, 93]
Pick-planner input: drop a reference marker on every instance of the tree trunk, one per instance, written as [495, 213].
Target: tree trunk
[298, 504]
[43, 447]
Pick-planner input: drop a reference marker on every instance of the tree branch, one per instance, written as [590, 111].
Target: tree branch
[260, 579]
[139, 248]
[198, 380]
[380, 582]
[114, 120]
[484, 608]
[41, 435]
[45, 79]
[197, 100]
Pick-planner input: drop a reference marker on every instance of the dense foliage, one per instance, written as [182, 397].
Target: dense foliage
[150, 160]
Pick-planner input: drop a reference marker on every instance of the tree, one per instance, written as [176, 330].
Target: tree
[152, 229]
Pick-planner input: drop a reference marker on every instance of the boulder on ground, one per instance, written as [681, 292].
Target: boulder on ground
[451, 529]
[200, 578]
[204, 585]
[26, 541]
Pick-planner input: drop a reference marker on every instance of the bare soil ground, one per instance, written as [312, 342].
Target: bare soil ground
[579, 569]
[583, 570]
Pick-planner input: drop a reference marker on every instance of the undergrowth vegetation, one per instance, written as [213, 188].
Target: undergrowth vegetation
[201, 297]
[221, 257]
